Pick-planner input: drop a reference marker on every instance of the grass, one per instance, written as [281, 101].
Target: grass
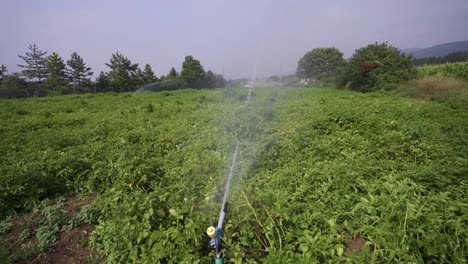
[316, 168]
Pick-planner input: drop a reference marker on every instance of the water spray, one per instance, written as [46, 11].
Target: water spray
[249, 95]
[215, 232]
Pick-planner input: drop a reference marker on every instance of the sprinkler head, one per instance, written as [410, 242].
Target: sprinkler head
[211, 231]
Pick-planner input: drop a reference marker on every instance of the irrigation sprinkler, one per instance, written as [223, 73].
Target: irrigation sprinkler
[215, 232]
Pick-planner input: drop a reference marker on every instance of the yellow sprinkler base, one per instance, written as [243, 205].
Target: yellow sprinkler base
[211, 231]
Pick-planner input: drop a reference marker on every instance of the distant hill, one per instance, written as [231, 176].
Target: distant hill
[438, 50]
[411, 50]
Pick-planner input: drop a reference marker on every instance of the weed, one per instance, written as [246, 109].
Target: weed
[50, 224]
[88, 214]
[29, 250]
[46, 234]
[5, 227]
[436, 88]
[6, 255]
[25, 234]
[149, 108]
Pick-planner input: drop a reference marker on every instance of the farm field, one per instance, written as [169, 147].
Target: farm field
[322, 176]
[451, 70]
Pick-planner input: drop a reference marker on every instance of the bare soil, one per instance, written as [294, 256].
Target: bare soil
[355, 244]
[69, 248]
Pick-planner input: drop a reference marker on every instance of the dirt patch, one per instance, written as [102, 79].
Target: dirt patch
[70, 248]
[18, 225]
[73, 204]
[355, 244]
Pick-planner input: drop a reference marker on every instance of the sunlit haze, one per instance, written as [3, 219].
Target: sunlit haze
[237, 38]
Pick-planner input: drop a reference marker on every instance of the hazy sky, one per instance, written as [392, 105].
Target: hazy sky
[242, 38]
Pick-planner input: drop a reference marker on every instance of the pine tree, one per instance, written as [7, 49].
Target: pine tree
[102, 83]
[35, 64]
[173, 74]
[148, 75]
[213, 80]
[77, 71]
[122, 72]
[3, 71]
[192, 72]
[57, 79]
[139, 78]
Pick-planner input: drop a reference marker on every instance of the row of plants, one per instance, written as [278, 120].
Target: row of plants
[144, 147]
[381, 168]
[316, 169]
[451, 70]
[36, 231]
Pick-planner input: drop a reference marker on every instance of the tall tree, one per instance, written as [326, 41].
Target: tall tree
[139, 78]
[35, 60]
[213, 80]
[320, 63]
[192, 72]
[122, 72]
[13, 86]
[148, 75]
[3, 71]
[57, 79]
[102, 83]
[173, 74]
[77, 71]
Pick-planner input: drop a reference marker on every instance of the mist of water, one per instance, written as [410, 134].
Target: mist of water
[249, 95]
[227, 187]
[228, 179]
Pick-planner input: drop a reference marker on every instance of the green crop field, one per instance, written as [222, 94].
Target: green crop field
[322, 175]
[451, 70]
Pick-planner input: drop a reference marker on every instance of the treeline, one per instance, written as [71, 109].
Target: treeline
[377, 66]
[43, 75]
[459, 56]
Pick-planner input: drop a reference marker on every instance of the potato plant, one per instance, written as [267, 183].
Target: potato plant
[316, 169]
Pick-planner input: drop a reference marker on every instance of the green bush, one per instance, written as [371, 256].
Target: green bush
[320, 63]
[13, 86]
[378, 66]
